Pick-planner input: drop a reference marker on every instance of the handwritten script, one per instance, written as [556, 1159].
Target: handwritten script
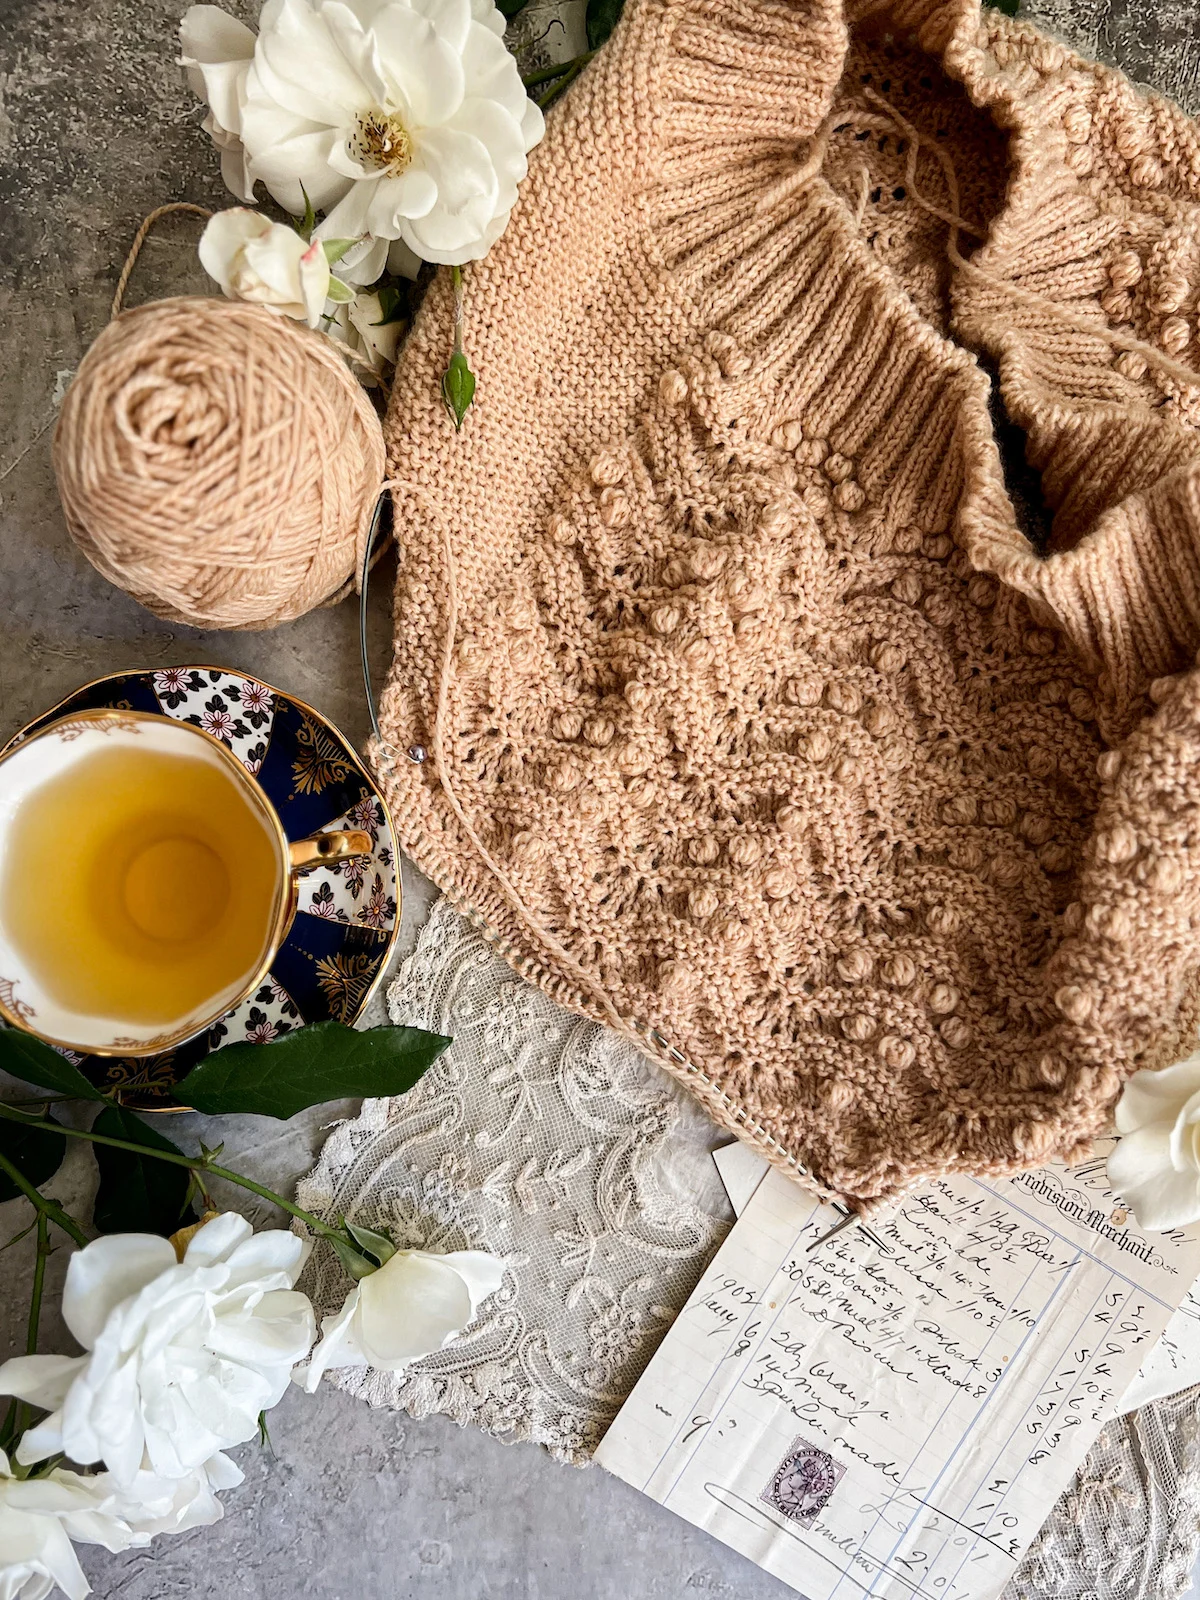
[898, 1421]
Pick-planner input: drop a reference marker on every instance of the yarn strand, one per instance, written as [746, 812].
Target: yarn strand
[1037, 302]
[139, 239]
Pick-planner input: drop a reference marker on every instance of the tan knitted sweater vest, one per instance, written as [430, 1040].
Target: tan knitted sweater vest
[729, 694]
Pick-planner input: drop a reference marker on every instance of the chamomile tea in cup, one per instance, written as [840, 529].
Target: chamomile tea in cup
[145, 881]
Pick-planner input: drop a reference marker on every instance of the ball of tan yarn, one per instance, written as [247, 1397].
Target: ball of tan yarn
[218, 462]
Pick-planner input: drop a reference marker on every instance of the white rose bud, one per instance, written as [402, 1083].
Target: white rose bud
[415, 1304]
[266, 263]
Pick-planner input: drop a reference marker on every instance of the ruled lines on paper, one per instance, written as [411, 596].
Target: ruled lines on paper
[897, 1423]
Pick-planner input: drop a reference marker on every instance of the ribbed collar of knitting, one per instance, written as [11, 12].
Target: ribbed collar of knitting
[1097, 173]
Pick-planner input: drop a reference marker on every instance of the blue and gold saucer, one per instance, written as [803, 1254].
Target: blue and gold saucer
[348, 914]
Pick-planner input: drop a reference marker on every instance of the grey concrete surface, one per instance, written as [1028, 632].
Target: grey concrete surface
[95, 130]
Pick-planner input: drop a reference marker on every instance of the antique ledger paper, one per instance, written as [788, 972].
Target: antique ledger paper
[895, 1423]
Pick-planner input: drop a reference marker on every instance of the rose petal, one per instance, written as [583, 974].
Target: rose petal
[413, 194]
[1140, 1171]
[297, 170]
[106, 1272]
[358, 48]
[225, 234]
[491, 73]
[235, 163]
[43, 1440]
[301, 69]
[425, 76]
[450, 18]
[473, 250]
[482, 1273]
[411, 1307]
[467, 188]
[280, 1330]
[491, 16]
[363, 262]
[1183, 1145]
[42, 1380]
[274, 1250]
[533, 125]
[217, 1240]
[502, 138]
[1156, 1096]
[217, 51]
[39, 1544]
[339, 1346]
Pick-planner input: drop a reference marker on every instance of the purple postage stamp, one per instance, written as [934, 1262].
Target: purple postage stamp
[803, 1483]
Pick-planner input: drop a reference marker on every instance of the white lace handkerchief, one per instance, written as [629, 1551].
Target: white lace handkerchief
[548, 1141]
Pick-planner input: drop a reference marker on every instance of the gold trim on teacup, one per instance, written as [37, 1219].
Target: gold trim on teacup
[108, 720]
[22, 735]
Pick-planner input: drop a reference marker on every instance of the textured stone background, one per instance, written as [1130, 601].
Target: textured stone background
[96, 129]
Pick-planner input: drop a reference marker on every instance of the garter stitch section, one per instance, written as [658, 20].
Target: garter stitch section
[784, 744]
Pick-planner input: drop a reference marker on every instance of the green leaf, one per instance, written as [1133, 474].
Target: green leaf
[137, 1194]
[356, 1264]
[375, 1244]
[510, 8]
[602, 17]
[36, 1154]
[326, 1061]
[458, 387]
[340, 293]
[335, 249]
[393, 303]
[26, 1057]
[304, 225]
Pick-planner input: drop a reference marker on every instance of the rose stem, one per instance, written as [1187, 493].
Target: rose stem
[47, 1208]
[555, 89]
[456, 280]
[20, 1414]
[193, 1164]
[544, 74]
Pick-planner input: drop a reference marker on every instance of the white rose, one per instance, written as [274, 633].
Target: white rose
[35, 1545]
[1155, 1165]
[138, 1512]
[266, 262]
[402, 119]
[415, 1304]
[217, 51]
[181, 1355]
[39, 1517]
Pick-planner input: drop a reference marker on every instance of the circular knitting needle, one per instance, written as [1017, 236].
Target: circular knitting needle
[847, 1219]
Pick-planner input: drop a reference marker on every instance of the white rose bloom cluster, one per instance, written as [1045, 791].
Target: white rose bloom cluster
[402, 120]
[180, 1358]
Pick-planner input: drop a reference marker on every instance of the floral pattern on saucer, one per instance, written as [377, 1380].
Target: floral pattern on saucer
[239, 711]
[361, 891]
[347, 914]
[267, 1014]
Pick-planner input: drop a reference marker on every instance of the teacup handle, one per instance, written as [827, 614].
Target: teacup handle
[324, 848]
